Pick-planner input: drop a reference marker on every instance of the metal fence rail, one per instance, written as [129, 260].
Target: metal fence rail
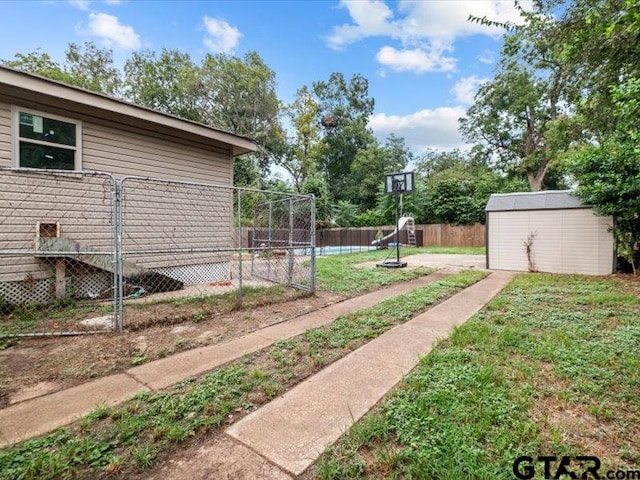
[98, 244]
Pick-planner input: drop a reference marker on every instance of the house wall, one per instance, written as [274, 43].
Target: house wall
[158, 218]
[565, 241]
[5, 135]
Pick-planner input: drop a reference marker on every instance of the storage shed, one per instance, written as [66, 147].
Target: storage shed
[550, 231]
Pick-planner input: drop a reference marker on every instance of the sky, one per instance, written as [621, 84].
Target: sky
[423, 59]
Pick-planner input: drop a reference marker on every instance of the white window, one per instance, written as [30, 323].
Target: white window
[46, 141]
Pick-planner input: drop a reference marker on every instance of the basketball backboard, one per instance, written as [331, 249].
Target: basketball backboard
[396, 183]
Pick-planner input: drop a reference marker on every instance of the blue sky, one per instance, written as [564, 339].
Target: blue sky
[423, 59]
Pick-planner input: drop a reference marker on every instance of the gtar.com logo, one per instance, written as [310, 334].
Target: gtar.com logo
[561, 468]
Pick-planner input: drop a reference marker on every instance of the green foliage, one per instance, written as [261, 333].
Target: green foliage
[85, 66]
[344, 212]
[344, 108]
[511, 118]
[168, 82]
[609, 175]
[93, 68]
[368, 218]
[370, 166]
[316, 185]
[301, 156]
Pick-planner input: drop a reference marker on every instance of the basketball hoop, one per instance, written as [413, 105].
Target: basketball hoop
[397, 184]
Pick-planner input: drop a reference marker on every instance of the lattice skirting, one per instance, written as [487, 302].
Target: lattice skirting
[84, 283]
[198, 274]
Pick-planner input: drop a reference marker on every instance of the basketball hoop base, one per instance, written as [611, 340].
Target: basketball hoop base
[392, 264]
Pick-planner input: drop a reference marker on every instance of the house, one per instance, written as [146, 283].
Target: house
[549, 231]
[172, 221]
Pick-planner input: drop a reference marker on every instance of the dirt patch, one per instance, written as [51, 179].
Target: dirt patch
[574, 425]
[155, 332]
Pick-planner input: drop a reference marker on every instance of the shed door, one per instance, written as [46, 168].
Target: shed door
[564, 241]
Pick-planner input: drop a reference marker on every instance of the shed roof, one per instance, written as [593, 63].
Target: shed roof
[545, 200]
[16, 86]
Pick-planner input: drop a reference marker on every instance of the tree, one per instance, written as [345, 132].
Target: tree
[343, 114]
[169, 83]
[315, 184]
[369, 167]
[85, 66]
[240, 97]
[608, 175]
[300, 158]
[513, 119]
[90, 67]
[344, 213]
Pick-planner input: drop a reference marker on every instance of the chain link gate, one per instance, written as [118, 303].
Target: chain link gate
[284, 241]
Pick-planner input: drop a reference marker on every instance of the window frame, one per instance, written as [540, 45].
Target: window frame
[16, 138]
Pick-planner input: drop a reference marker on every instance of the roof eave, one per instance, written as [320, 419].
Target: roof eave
[36, 85]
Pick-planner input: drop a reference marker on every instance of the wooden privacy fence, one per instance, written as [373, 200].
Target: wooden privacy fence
[434, 235]
[445, 235]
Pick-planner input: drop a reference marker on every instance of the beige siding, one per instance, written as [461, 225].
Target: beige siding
[5, 135]
[81, 205]
[565, 241]
[158, 218]
[123, 153]
[161, 216]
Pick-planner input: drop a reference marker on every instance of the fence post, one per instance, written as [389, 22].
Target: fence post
[313, 243]
[118, 289]
[239, 299]
[290, 263]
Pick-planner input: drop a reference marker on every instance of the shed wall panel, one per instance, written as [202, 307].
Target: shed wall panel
[564, 241]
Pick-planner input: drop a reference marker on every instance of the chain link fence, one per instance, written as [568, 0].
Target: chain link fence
[83, 251]
[57, 245]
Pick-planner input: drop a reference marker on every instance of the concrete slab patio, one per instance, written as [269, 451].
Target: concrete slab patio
[293, 430]
[448, 262]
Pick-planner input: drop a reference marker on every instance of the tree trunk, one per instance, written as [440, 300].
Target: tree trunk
[536, 177]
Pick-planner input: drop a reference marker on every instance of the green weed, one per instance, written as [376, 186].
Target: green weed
[132, 436]
[467, 410]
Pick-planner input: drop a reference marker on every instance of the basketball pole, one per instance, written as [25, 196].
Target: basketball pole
[396, 188]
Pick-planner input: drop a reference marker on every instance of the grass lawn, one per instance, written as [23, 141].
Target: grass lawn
[124, 440]
[336, 272]
[551, 366]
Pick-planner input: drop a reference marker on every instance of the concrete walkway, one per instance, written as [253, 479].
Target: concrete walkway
[294, 429]
[43, 414]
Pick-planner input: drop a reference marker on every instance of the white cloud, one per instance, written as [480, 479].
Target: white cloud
[81, 4]
[370, 17]
[423, 130]
[446, 21]
[86, 4]
[488, 57]
[465, 89]
[112, 32]
[221, 37]
[415, 60]
[430, 26]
